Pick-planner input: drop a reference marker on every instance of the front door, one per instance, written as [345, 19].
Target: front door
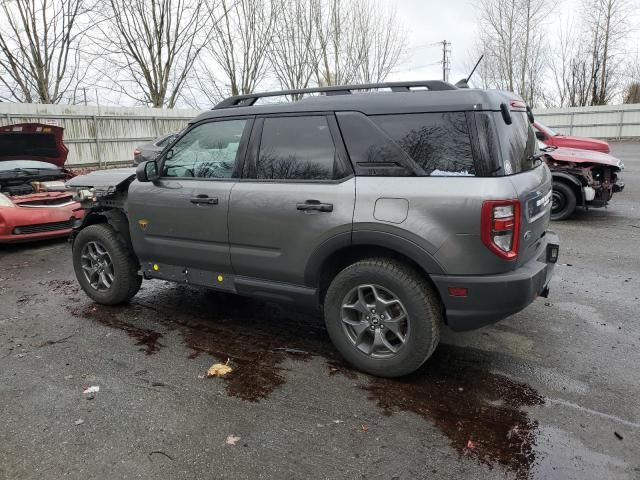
[179, 223]
[298, 193]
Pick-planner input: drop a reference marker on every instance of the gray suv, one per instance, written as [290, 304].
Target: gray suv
[395, 210]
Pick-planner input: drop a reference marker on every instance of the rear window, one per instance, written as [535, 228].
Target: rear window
[439, 143]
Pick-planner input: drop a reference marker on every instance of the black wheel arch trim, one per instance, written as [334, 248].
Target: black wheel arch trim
[368, 238]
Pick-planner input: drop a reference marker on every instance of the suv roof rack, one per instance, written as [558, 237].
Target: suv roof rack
[251, 98]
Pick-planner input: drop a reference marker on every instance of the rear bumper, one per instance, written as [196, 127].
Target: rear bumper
[494, 297]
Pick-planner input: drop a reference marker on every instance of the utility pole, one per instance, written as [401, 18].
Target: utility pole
[446, 60]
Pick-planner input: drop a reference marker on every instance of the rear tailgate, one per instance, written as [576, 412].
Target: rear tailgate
[533, 188]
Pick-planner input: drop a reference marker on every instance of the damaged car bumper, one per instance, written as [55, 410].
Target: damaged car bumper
[26, 221]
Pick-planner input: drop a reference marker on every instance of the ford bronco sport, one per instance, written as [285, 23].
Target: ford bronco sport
[395, 210]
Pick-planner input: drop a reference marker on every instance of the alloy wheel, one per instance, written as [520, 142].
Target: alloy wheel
[375, 321]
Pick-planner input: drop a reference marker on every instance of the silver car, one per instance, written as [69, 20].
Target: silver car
[394, 212]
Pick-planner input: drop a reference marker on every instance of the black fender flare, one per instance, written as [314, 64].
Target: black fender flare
[115, 217]
[368, 238]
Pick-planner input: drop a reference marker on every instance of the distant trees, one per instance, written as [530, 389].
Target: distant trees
[164, 53]
[40, 55]
[149, 47]
[513, 45]
[582, 65]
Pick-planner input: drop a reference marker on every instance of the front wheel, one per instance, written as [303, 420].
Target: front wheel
[383, 317]
[105, 268]
[563, 201]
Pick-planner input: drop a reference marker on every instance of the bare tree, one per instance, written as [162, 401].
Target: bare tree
[357, 41]
[513, 44]
[608, 28]
[235, 60]
[39, 49]
[292, 53]
[379, 40]
[151, 46]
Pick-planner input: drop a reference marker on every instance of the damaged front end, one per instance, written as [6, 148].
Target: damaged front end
[596, 182]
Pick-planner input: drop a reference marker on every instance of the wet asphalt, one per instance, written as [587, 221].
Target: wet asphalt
[552, 392]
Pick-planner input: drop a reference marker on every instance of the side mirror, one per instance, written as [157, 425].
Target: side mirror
[147, 171]
[540, 135]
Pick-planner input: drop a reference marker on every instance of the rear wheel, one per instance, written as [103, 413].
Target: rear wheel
[383, 317]
[563, 201]
[105, 268]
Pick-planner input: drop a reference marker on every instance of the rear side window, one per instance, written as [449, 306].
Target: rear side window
[297, 148]
[518, 142]
[372, 152]
[439, 143]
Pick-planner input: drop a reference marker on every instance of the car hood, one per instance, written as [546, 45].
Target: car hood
[585, 142]
[33, 141]
[577, 155]
[103, 178]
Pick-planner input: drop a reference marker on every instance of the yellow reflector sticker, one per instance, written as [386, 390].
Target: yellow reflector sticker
[155, 267]
[220, 278]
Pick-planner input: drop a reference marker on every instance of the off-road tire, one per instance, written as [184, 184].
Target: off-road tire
[126, 282]
[419, 298]
[568, 198]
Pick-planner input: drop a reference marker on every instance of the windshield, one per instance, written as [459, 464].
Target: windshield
[547, 130]
[17, 164]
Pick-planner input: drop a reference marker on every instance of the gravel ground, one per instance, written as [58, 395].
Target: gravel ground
[551, 392]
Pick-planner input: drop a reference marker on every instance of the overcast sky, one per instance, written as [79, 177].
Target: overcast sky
[431, 21]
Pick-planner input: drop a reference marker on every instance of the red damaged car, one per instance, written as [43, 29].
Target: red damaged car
[555, 139]
[34, 203]
[581, 178]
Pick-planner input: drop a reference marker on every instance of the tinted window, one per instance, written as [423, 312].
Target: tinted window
[439, 143]
[297, 148]
[518, 142]
[370, 150]
[207, 151]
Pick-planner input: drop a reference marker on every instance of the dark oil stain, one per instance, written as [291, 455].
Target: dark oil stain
[146, 338]
[480, 412]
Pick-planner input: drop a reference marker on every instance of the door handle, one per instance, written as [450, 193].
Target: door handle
[315, 205]
[204, 200]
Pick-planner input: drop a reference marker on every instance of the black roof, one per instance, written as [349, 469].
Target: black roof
[434, 96]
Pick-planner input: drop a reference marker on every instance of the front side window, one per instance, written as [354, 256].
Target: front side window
[297, 148]
[439, 143]
[207, 151]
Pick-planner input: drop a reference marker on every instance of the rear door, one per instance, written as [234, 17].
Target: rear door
[298, 192]
[181, 219]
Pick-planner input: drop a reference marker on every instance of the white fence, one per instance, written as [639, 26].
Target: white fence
[103, 136]
[607, 121]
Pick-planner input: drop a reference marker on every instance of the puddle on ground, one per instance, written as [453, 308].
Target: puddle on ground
[480, 412]
[146, 338]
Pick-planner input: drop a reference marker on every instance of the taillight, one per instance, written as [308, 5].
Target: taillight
[500, 227]
[136, 152]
